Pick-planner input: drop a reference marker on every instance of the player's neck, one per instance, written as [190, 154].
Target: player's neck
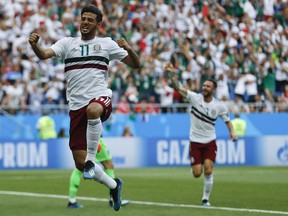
[84, 38]
[87, 37]
[208, 99]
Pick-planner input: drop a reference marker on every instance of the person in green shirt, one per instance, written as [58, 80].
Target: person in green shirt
[104, 157]
[46, 127]
[239, 125]
[269, 84]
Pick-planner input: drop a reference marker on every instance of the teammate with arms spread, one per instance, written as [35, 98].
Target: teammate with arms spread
[204, 112]
[86, 61]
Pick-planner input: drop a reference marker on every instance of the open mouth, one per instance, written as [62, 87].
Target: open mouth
[205, 92]
[85, 28]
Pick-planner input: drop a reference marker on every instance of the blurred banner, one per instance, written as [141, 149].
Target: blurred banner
[140, 152]
[144, 125]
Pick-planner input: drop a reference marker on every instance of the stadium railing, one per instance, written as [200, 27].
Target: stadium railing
[174, 108]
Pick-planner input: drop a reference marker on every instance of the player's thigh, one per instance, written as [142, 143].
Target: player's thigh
[210, 151]
[78, 128]
[195, 153]
[196, 159]
[209, 155]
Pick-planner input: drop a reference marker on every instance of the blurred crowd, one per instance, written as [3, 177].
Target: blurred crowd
[243, 44]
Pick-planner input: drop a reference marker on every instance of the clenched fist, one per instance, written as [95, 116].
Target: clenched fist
[123, 43]
[34, 38]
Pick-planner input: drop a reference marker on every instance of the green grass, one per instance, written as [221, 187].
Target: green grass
[236, 188]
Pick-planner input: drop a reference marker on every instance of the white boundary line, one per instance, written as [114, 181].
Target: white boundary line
[144, 203]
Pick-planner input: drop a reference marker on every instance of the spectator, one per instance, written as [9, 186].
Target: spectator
[269, 84]
[222, 87]
[2, 92]
[123, 106]
[152, 106]
[166, 95]
[226, 35]
[35, 98]
[145, 84]
[141, 106]
[118, 82]
[260, 104]
[283, 100]
[238, 106]
[268, 10]
[251, 89]
[14, 98]
[53, 90]
[127, 132]
[61, 133]
[46, 126]
[131, 91]
[240, 87]
[281, 74]
[239, 125]
[191, 85]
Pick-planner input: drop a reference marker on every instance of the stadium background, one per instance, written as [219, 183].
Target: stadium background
[230, 41]
[159, 141]
[227, 40]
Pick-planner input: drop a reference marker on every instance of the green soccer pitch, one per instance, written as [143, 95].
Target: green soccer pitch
[153, 191]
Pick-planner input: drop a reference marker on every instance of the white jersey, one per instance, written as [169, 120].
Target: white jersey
[203, 117]
[86, 67]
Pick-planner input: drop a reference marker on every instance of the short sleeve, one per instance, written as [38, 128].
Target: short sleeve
[191, 96]
[116, 52]
[224, 113]
[60, 47]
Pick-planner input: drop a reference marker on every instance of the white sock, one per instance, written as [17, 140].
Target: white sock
[93, 134]
[103, 178]
[72, 200]
[208, 184]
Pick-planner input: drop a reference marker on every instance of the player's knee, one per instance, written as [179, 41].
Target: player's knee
[196, 173]
[94, 110]
[208, 170]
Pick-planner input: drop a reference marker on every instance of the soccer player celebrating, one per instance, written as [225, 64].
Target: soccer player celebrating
[104, 157]
[204, 112]
[86, 61]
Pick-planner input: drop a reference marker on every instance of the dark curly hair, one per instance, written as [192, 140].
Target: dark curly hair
[213, 81]
[93, 9]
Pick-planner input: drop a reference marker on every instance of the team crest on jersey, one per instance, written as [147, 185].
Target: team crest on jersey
[213, 112]
[97, 47]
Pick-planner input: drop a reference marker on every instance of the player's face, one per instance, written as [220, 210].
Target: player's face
[88, 25]
[208, 89]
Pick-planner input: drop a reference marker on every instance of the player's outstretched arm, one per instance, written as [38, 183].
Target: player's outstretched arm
[132, 59]
[170, 71]
[38, 50]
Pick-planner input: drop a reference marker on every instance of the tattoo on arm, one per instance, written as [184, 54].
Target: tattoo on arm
[175, 83]
[182, 91]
